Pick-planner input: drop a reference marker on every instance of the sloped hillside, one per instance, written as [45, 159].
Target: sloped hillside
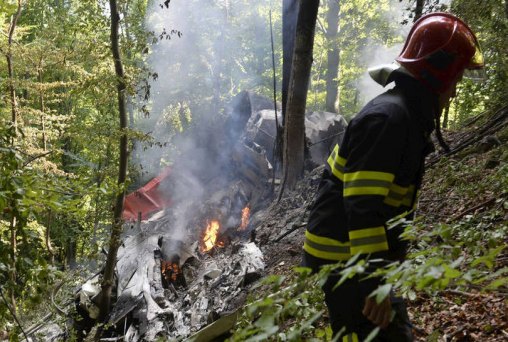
[459, 247]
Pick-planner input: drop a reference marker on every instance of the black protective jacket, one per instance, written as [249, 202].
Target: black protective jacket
[372, 177]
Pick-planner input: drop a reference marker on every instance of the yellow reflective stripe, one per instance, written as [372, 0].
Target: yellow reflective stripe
[367, 183]
[368, 240]
[324, 240]
[330, 249]
[368, 232]
[396, 195]
[336, 163]
[407, 201]
[339, 160]
[331, 157]
[393, 202]
[401, 190]
[369, 175]
[371, 248]
[365, 190]
[326, 255]
[338, 174]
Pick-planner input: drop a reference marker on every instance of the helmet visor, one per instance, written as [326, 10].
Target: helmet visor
[474, 70]
[476, 75]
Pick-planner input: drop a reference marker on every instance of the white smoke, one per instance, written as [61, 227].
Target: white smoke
[204, 52]
[377, 54]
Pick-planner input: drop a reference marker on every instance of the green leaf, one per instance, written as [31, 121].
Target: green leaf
[372, 335]
[381, 292]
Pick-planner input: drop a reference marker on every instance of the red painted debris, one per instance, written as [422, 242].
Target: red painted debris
[147, 200]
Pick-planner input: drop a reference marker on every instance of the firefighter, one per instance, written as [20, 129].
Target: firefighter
[370, 184]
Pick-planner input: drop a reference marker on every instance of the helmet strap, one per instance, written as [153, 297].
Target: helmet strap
[444, 145]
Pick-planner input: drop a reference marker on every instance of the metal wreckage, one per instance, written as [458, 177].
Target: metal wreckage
[175, 277]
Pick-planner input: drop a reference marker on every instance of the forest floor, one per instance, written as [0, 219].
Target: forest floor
[466, 190]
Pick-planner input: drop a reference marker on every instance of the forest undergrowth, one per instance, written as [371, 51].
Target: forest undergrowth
[456, 277]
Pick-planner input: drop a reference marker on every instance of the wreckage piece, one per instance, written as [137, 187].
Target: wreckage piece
[251, 162]
[323, 130]
[261, 130]
[148, 199]
[241, 109]
[215, 282]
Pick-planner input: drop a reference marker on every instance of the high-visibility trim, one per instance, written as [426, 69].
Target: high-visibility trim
[400, 190]
[366, 187]
[326, 248]
[392, 202]
[365, 249]
[371, 240]
[326, 255]
[368, 240]
[337, 163]
[353, 337]
[408, 198]
[367, 232]
[369, 175]
[367, 183]
[396, 195]
[365, 191]
[324, 240]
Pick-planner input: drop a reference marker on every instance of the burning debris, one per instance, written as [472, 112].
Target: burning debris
[191, 263]
[210, 236]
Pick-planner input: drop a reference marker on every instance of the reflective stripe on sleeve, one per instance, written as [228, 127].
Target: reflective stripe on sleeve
[367, 183]
[368, 240]
[337, 163]
[326, 248]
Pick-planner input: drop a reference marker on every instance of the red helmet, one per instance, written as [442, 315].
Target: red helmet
[438, 49]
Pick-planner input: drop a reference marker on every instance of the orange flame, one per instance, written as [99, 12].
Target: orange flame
[245, 219]
[170, 270]
[210, 235]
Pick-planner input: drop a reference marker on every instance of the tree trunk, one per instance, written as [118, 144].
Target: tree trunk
[332, 66]
[116, 228]
[289, 19]
[42, 107]
[47, 240]
[13, 272]
[418, 9]
[10, 68]
[14, 122]
[294, 133]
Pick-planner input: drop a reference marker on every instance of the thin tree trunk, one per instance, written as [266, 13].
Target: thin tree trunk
[10, 68]
[332, 66]
[418, 9]
[42, 107]
[50, 249]
[13, 273]
[294, 133]
[14, 122]
[116, 229]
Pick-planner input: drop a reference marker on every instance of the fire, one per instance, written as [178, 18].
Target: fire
[245, 219]
[210, 235]
[170, 271]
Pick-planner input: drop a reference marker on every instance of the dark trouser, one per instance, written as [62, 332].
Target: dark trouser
[345, 306]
